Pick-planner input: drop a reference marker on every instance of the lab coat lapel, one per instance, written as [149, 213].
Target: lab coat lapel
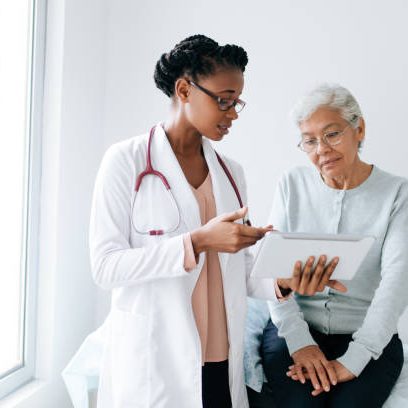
[165, 161]
[225, 198]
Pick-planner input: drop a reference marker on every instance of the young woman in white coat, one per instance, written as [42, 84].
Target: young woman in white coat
[167, 238]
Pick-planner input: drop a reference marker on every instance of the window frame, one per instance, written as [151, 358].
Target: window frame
[22, 374]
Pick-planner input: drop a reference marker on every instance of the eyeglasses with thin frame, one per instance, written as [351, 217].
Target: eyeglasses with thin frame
[224, 104]
[332, 138]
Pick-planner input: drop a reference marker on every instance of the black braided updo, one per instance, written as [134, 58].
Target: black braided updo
[196, 56]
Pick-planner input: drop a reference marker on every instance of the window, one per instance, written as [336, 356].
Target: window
[21, 83]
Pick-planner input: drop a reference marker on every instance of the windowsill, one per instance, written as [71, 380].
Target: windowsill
[21, 394]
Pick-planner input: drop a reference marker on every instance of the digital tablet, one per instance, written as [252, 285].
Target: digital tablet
[278, 253]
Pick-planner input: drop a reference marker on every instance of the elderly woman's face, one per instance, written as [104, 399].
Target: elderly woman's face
[332, 161]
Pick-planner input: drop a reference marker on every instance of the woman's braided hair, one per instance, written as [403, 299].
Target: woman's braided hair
[196, 56]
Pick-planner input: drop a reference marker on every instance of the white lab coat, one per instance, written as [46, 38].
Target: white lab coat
[151, 354]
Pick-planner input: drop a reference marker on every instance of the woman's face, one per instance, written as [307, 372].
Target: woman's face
[332, 161]
[202, 110]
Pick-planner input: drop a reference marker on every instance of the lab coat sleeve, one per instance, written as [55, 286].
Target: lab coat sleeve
[114, 263]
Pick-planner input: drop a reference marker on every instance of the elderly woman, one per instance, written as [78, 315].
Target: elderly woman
[338, 349]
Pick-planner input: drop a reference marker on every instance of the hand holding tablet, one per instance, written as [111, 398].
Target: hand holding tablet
[311, 276]
[279, 252]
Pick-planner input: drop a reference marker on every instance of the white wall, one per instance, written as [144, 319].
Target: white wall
[99, 89]
[292, 46]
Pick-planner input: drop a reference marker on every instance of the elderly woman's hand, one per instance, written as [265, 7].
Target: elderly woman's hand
[311, 364]
[309, 280]
[341, 374]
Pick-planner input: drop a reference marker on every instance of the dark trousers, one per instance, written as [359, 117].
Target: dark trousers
[216, 392]
[370, 389]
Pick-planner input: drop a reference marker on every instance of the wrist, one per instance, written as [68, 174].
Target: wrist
[285, 292]
[283, 289]
[198, 241]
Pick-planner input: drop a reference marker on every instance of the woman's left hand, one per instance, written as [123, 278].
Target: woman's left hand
[343, 375]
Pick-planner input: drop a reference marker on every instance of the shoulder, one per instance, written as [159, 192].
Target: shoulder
[126, 152]
[299, 177]
[233, 166]
[391, 187]
[122, 159]
[388, 179]
[391, 193]
[386, 187]
[127, 147]
[299, 172]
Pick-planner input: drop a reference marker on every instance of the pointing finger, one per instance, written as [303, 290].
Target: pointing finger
[235, 215]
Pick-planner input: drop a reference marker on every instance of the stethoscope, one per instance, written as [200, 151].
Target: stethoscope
[150, 171]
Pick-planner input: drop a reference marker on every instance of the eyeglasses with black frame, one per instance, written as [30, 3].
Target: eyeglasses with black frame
[224, 104]
[332, 138]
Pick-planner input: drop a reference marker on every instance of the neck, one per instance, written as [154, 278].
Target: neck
[352, 178]
[184, 139]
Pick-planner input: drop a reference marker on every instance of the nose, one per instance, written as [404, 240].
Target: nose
[322, 147]
[232, 113]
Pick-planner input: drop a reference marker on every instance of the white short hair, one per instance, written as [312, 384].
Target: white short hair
[332, 96]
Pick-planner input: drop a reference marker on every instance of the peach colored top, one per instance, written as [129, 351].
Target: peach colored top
[208, 295]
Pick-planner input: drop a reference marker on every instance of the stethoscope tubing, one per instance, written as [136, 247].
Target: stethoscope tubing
[149, 170]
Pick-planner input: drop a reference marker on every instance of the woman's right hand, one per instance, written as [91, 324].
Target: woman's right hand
[342, 374]
[223, 234]
[307, 280]
[311, 363]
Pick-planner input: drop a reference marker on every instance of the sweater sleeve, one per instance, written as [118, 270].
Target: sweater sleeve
[390, 298]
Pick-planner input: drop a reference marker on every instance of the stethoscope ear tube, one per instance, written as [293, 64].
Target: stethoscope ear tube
[234, 186]
[157, 232]
[149, 170]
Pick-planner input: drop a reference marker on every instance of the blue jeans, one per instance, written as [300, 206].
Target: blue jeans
[370, 389]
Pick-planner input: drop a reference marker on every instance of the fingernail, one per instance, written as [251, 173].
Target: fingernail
[317, 386]
[327, 389]
[334, 382]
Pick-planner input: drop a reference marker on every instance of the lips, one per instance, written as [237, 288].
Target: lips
[329, 162]
[223, 129]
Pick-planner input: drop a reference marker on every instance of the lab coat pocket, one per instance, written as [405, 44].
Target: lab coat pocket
[129, 359]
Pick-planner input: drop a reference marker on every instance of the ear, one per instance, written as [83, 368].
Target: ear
[361, 130]
[182, 90]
